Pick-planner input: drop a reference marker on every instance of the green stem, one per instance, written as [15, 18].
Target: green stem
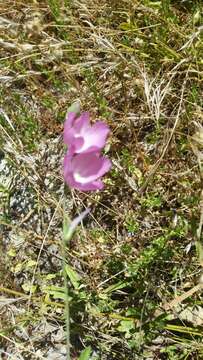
[67, 309]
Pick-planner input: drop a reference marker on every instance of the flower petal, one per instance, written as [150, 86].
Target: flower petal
[89, 167]
[94, 137]
[84, 171]
[91, 138]
[68, 131]
[82, 122]
[93, 186]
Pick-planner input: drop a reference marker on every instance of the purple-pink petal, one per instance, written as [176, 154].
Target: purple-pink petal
[82, 122]
[68, 125]
[94, 137]
[83, 171]
[81, 136]
[95, 185]
[83, 164]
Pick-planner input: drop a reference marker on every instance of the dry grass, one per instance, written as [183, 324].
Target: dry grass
[138, 65]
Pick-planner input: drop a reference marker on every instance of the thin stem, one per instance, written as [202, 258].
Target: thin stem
[67, 310]
[68, 231]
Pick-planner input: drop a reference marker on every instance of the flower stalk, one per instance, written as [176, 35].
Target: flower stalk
[68, 231]
[67, 308]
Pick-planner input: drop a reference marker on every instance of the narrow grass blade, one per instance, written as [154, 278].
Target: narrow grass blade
[85, 354]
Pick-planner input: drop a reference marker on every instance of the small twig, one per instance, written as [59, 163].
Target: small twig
[175, 302]
[165, 307]
[179, 299]
[196, 145]
[192, 38]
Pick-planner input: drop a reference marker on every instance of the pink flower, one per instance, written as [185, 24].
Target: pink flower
[81, 137]
[83, 171]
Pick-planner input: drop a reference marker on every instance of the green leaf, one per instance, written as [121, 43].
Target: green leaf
[114, 287]
[126, 326]
[29, 288]
[85, 354]
[56, 291]
[73, 276]
[31, 263]
[12, 252]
